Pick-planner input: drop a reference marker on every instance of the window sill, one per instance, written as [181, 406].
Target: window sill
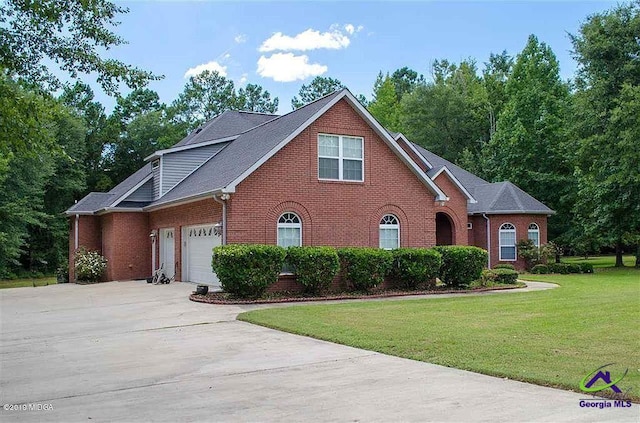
[340, 181]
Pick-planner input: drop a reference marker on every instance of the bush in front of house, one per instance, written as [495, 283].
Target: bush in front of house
[561, 268]
[246, 271]
[574, 268]
[89, 265]
[504, 266]
[533, 255]
[540, 269]
[364, 268]
[315, 267]
[586, 267]
[415, 266]
[461, 265]
[505, 276]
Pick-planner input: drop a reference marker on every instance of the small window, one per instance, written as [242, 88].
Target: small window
[289, 230]
[507, 241]
[469, 225]
[155, 164]
[533, 234]
[389, 232]
[340, 158]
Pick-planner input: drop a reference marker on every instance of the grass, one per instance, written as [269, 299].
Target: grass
[601, 261]
[553, 338]
[21, 283]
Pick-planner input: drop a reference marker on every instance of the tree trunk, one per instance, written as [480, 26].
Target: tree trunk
[619, 262]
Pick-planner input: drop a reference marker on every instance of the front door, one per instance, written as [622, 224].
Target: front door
[168, 251]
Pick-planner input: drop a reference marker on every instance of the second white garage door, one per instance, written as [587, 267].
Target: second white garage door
[198, 243]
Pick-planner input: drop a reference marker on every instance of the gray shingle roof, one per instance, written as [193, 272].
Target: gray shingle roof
[91, 202]
[227, 124]
[492, 198]
[243, 152]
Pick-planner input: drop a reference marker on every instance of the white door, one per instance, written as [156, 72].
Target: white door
[198, 243]
[168, 251]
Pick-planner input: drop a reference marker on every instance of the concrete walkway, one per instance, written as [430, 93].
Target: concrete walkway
[129, 351]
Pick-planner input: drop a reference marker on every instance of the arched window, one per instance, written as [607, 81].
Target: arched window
[389, 233]
[507, 242]
[289, 230]
[533, 233]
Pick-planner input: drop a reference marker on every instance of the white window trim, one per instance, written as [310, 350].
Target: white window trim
[515, 248]
[389, 226]
[340, 158]
[288, 225]
[536, 231]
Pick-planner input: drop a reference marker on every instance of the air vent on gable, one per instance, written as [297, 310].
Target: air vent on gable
[155, 164]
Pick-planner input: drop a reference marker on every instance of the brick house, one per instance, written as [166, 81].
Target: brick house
[325, 174]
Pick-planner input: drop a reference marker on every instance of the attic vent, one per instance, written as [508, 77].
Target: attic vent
[155, 164]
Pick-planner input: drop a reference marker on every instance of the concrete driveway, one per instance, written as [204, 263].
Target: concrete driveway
[128, 351]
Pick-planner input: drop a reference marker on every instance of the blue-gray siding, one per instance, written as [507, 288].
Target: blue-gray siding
[176, 166]
[156, 182]
[142, 194]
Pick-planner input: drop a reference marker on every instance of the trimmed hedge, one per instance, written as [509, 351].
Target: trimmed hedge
[461, 265]
[540, 269]
[413, 266]
[506, 276]
[504, 266]
[246, 271]
[315, 267]
[586, 267]
[561, 268]
[364, 268]
[574, 268]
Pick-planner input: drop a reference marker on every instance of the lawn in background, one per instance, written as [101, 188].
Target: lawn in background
[554, 337]
[601, 261]
[21, 283]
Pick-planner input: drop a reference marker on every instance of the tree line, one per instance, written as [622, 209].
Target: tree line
[572, 144]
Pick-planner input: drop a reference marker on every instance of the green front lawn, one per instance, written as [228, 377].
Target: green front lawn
[21, 283]
[554, 337]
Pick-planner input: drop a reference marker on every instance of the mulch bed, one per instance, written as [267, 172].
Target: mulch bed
[224, 298]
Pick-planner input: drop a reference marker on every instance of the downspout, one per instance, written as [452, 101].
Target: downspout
[488, 239]
[77, 233]
[222, 200]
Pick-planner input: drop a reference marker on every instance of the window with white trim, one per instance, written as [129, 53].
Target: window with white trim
[340, 157]
[507, 241]
[289, 230]
[389, 232]
[533, 233]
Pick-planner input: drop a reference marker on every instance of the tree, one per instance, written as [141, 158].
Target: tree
[385, 106]
[530, 147]
[607, 124]
[319, 87]
[254, 98]
[205, 96]
[70, 33]
[494, 76]
[448, 115]
[405, 80]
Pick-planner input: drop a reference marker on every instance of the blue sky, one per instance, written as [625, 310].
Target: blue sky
[281, 46]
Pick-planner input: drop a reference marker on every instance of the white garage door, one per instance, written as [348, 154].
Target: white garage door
[198, 243]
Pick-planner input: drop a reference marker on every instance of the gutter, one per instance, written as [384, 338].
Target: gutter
[488, 240]
[77, 232]
[223, 200]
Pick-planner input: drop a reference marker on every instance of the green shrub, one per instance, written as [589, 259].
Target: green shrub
[246, 271]
[413, 266]
[461, 265]
[315, 267]
[533, 255]
[487, 277]
[540, 269]
[561, 268]
[574, 268]
[504, 266]
[586, 267]
[364, 268]
[506, 276]
[89, 265]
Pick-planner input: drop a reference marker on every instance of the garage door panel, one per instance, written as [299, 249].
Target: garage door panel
[200, 241]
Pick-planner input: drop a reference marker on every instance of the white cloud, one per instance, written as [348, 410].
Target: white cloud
[349, 28]
[243, 79]
[307, 40]
[287, 67]
[240, 38]
[211, 66]
[226, 56]
[360, 28]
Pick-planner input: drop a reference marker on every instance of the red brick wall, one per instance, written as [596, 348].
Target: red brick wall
[126, 245]
[333, 213]
[521, 222]
[89, 236]
[196, 213]
[455, 208]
